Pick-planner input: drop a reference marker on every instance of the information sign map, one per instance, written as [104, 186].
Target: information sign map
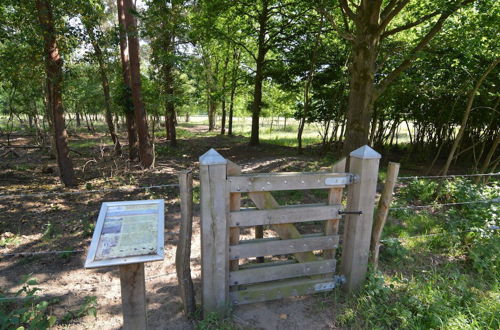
[127, 232]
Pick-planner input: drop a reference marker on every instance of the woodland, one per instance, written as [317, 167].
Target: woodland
[123, 94]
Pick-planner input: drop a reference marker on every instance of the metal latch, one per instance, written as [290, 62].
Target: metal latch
[350, 212]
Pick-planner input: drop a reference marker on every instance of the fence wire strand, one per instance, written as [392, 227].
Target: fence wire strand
[414, 207]
[493, 228]
[78, 192]
[447, 176]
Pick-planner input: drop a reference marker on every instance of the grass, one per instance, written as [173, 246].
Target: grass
[448, 281]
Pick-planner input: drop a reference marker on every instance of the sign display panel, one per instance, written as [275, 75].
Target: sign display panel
[127, 232]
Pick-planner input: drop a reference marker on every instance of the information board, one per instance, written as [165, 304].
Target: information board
[127, 232]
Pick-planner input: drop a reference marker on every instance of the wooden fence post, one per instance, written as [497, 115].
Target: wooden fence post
[214, 206]
[363, 162]
[133, 287]
[183, 252]
[382, 211]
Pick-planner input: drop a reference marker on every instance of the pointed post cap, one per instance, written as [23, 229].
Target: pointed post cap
[212, 157]
[365, 152]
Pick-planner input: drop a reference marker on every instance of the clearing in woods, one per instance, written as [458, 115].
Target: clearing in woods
[66, 222]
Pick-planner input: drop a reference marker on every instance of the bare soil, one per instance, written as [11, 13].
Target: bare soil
[35, 222]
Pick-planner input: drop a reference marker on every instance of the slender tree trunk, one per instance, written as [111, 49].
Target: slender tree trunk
[146, 156]
[53, 67]
[234, 84]
[170, 106]
[489, 156]
[105, 90]
[468, 109]
[129, 110]
[259, 74]
[78, 122]
[224, 79]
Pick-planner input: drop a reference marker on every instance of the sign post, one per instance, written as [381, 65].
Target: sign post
[128, 234]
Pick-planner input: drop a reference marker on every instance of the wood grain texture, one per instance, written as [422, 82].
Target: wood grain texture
[287, 181]
[285, 246]
[382, 211]
[183, 252]
[281, 289]
[234, 205]
[272, 273]
[357, 230]
[292, 214]
[264, 200]
[133, 289]
[214, 206]
[334, 198]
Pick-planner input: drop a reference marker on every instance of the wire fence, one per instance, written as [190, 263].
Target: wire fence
[130, 189]
[437, 205]
[75, 290]
[79, 192]
[407, 238]
[402, 178]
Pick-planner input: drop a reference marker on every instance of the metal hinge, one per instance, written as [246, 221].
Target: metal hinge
[350, 212]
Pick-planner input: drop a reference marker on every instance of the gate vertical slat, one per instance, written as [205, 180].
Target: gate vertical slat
[234, 205]
[334, 198]
[214, 232]
[357, 230]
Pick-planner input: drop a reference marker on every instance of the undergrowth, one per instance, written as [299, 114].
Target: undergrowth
[445, 278]
[26, 310]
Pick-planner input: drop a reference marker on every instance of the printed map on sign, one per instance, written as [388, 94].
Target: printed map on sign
[129, 230]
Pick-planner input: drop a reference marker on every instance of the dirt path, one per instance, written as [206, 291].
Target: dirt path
[65, 222]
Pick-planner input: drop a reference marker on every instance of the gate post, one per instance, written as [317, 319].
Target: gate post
[363, 162]
[214, 205]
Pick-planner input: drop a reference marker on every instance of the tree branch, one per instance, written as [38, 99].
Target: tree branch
[348, 11]
[388, 8]
[409, 25]
[346, 35]
[382, 86]
[387, 19]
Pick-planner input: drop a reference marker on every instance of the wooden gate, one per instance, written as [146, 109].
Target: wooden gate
[225, 282]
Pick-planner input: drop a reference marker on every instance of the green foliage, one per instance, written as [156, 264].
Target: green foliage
[448, 280]
[89, 307]
[214, 321]
[440, 298]
[26, 310]
[483, 252]
[9, 240]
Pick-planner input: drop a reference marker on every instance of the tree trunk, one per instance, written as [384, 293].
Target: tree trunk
[105, 90]
[170, 106]
[259, 74]
[53, 68]
[468, 109]
[234, 84]
[490, 154]
[129, 111]
[360, 103]
[146, 156]
[224, 78]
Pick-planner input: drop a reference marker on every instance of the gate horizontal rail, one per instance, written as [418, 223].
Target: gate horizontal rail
[291, 214]
[289, 181]
[284, 246]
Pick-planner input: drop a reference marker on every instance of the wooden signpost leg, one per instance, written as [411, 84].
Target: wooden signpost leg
[358, 227]
[133, 287]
